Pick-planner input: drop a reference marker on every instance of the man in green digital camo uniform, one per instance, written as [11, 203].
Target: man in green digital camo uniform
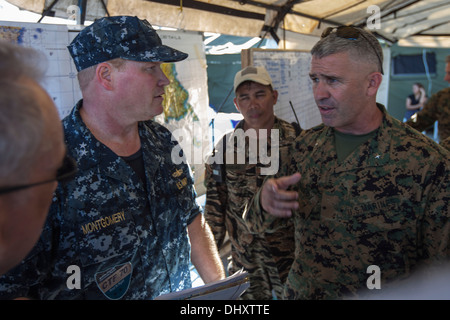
[266, 256]
[436, 109]
[446, 143]
[369, 196]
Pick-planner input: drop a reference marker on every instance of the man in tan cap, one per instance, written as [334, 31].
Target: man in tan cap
[267, 257]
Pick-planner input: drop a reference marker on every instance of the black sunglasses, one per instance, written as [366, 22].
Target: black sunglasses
[64, 174]
[351, 33]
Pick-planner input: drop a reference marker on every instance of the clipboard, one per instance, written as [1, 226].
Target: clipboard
[230, 288]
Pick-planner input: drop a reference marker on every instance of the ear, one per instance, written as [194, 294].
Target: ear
[103, 74]
[374, 83]
[236, 105]
[275, 96]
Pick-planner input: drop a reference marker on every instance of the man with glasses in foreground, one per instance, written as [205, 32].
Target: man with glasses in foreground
[369, 196]
[33, 155]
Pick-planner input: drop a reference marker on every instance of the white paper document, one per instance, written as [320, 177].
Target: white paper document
[230, 288]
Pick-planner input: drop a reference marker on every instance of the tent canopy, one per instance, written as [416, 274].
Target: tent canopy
[413, 22]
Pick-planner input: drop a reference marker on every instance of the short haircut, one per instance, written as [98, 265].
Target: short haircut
[85, 76]
[365, 48]
[21, 119]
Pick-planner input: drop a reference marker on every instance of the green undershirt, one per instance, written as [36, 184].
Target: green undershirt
[347, 143]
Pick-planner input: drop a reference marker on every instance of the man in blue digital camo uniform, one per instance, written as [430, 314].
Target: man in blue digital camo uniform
[128, 223]
[369, 196]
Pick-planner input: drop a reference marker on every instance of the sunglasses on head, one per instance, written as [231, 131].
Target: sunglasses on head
[351, 33]
[65, 173]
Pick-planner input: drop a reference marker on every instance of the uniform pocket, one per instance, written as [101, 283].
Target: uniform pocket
[373, 233]
[108, 255]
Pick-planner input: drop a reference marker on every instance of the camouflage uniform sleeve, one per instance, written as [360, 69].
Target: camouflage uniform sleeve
[257, 219]
[215, 207]
[17, 282]
[436, 223]
[446, 143]
[27, 278]
[428, 115]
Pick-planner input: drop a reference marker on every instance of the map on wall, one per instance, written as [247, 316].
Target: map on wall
[186, 100]
[186, 97]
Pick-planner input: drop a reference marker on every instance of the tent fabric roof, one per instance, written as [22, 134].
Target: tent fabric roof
[399, 19]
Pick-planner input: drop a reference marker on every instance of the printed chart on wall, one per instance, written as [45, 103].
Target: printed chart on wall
[289, 70]
[60, 82]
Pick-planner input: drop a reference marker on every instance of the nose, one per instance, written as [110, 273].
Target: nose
[252, 102]
[447, 72]
[447, 77]
[320, 91]
[163, 80]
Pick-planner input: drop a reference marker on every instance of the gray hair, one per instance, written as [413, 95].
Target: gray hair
[18, 61]
[365, 48]
[21, 119]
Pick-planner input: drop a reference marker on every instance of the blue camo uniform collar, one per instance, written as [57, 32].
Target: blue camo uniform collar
[84, 142]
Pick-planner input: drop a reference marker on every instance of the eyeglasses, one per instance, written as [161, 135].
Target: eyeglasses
[64, 174]
[351, 33]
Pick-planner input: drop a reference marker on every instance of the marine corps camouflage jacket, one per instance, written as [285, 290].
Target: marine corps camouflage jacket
[436, 109]
[386, 205]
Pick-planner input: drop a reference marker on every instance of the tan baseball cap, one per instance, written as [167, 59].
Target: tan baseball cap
[255, 74]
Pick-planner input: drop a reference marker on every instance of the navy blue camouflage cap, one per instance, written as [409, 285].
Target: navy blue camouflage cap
[123, 37]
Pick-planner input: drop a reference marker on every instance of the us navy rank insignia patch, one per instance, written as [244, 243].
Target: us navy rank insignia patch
[114, 282]
[177, 173]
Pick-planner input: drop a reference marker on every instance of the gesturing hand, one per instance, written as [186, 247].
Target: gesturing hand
[276, 199]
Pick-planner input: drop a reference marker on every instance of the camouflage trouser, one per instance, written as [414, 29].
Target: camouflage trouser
[265, 283]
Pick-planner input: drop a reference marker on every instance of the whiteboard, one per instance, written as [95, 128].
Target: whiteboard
[289, 70]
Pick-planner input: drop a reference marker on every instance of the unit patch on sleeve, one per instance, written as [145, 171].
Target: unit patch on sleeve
[114, 282]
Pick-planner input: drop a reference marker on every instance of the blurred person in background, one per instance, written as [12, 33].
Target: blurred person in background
[415, 101]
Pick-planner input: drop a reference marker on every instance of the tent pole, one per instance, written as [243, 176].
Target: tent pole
[104, 7]
[82, 4]
[47, 11]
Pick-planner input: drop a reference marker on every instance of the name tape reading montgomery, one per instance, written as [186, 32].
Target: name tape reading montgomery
[103, 222]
